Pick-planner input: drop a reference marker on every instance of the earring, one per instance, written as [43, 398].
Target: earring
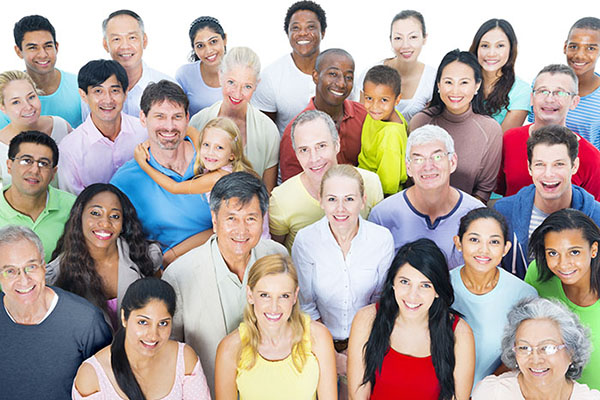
[476, 92]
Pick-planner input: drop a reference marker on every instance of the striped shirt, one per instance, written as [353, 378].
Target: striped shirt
[537, 217]
[585, 119]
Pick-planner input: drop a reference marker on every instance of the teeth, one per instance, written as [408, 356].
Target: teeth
[149, 343]
[337, 93]
[538, 371]
[483, 258]
[411, 305]
[303, 42]
[103, 234]
[273, 316]
[211, 58]
[23, 291]
[567, 273]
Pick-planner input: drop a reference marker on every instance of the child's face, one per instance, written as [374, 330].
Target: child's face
[215, 149]
[380, 101]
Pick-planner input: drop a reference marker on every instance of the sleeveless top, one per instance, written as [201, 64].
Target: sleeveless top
[275, 380]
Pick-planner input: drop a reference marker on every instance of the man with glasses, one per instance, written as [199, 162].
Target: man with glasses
[554, 94]
[30, 201]
[431, 208]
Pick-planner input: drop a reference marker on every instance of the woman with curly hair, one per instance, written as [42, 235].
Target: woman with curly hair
[102, 250]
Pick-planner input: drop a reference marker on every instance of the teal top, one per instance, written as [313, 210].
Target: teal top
[518, 99]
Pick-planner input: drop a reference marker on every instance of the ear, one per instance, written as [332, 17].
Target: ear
[575, 167]
[214, 220]
[574, 102]
[457, 243]
[249, 297]
[105, 45]
[19, 52]
[296, 294]
[425, 39]
[529, 168]
[453, 162]
[565, 48]
[408, 168]
[507, 247]
[594, 249]
[315, 76]
[123, 320]
[477, 86]
[83, 96]
[145, 41]
[143, 119]
[9, 163]
[56, 46]
[398, 99]
[336, 145]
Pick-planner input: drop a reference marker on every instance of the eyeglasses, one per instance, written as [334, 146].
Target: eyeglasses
[11, 273]
[436, 158]
[544, 349]
[553, 93]
[27, 161]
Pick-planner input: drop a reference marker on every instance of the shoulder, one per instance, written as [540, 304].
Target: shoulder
[365, 316]
[76, 308]
[518, 133]
[86, 381]
[319, 332]
[583, 392]
[469, 202]
[268, 246]
[369, 177]
[65, 199]
[498, 387]
[520, 87]
[463, 328]
[190, 359]
[201, 117]
[230, 345]
[190, 261]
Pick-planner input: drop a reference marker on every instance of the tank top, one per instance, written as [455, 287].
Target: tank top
[275, 380]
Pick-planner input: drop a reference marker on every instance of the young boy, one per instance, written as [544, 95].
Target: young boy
[383, 140]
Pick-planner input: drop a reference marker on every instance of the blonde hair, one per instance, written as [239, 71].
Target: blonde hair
[347, 171]
[272, 265]
[239, 162]
[241, 56]
[10, 76]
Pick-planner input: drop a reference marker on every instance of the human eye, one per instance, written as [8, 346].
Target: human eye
[483, 46]
[575, 252]
[473, 240]
[333, 74]
[248, 87]
[322, 145]
[559, 164]
[116, 90]
[43, 163]
[31, 97]
[349, 77]
[264, 295]
[426, 285]
[133, 37]
[115, 216]
[368, 98]
[495, 242]
[350, 198]
[404, 281]
[142, 322]
[31, 268]
[9, 272]
[285, 295]
[115, 39]
[204, 144]
[163, 323]
[551, 253]
[214, 41]
[294, 28]
[418, 160]
[501, 45]
[437, 157]
[199, 45]
[97, 90]
[384, 100]
[26, 161]
[592, 48]
[302, 150]
[572, 46]
[230, 82]
[524, 349]
[447, 82]
[549, 349]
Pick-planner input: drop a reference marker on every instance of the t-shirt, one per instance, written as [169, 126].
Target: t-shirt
[198, 92]
[518, 99]
[585, 118]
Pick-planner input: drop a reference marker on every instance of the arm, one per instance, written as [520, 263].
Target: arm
[514, 119]
[86, 382]
[359, 334]
[322, 348]
[188, 244]
[464, 354]
[226, 367]
[487, 177]
[270, 178]
[305, 267]
[278, 226]
[194, 381]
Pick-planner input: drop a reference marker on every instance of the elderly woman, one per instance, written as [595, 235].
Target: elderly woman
[239, 74]
[549, 348]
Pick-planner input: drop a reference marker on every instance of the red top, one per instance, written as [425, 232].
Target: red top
[514, 171]
[350, 130]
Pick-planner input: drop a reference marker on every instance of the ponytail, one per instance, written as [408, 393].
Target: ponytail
[121, 368]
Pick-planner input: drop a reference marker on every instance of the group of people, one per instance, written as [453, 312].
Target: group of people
[238, 233]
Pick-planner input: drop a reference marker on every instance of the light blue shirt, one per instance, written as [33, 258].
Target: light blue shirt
[518, 99]
[585, 118]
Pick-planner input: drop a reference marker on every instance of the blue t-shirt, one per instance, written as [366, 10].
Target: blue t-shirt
[518, 99]
[199, 93]
[585, 118]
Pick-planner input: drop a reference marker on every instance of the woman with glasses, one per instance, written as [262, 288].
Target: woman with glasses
[547, 347]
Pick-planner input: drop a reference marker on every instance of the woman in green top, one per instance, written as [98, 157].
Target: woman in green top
[566, 267]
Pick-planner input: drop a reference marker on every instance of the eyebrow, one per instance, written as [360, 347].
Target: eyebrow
[210, 38]
[43, 44]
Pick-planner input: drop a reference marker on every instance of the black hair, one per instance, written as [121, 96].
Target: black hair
[163, 90]
[498, 98]
[308, 6]
[551, 135]
[328, 52]
[437, 106]
[137, 296]
[482, 213]
[32, 23]
[97, 71]
[427, 258]
[406, 14]
[559, 221]
[36, 137]
[592, 23]
[130, 13]
[242, 186]
[200, 23]
[384, 75]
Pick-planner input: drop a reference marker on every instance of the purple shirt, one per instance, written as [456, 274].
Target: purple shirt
[87, 156]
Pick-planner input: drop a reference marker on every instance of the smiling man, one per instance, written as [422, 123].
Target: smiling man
[94, 151]
[210, 280]
[334, 79]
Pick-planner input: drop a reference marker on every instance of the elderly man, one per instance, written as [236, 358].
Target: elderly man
[295, 204]
[554, 94]
[431, 208]
[210, 280]
[45, 333]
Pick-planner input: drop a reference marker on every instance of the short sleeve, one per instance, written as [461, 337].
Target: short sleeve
[264, 98]
[278, 224]
[98, 335]
[519, 96]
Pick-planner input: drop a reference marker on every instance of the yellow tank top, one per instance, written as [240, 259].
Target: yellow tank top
[276, 380]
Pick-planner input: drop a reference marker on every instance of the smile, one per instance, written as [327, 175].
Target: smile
[234, 100]
[318, 168]
[211, 58]
[550, 185]
[337, 92]
[103, 235]
[149, 345]
[25, 291]
[455, 99]
[411, 306]
[407, 54]
[539, 372]
[566, 274]
[341, 218]
[482, 259]
[273, 317]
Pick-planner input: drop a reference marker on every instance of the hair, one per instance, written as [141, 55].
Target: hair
[586, 23]
[98, 71]
[553, 135]
[427, 134]
[343, 170]
[35, 137]
[200, 23]
[10, 76]
[554, 69]
[313, 115]
[241, 57]
[122, 12]
[163, 90]
[482, 213]
[240, 162]
[384, 75]
[78, 272]
[308, 6]
[138, 295]
[406, 14]
[242, 186]
[498, 98]
[437, 106]
[427, 258]
[272, 265]
[560, 221]
[32, 23]
[574, 334]
[11, 234]
[332, 51]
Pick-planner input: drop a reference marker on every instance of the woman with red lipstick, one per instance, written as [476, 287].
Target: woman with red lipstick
[506, 96]
[102, 250]
[567, 268]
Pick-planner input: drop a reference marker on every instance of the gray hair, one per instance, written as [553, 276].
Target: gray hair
[428, 134]
[312, 115]
[554, 69]
[114, 14]
[16, 233]
[574, 334]
[242, 186]
[241, 56]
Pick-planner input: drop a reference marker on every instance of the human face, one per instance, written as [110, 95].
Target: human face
[26, 288]
[31, 180]
[125, 41]
[238, 226]
[147, 328]
[239, 84]
[582, 49]
[552, 110]
[209, 46]
[273, 298]
[21, 103]
[569, 255]
[380, 101]
[105, 99]
[102, 220]
[493, 51]
[166, 123]
[414, 292]
[304, 33]
[538, 369]
[342, 202]
[334, 80]
[431, 174]
[38, 51]
[315, 149]
[407, 39]
[483, 245]
[551, 171]
[215, 149]
[457, 87]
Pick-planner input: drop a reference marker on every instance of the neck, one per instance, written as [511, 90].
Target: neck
[108, 129]
[32, 206]
[101, 254]
[344, 234]
[335, 112]
[305, 64]
[581, 292]
[140, 363]
[404, 67]
[550, 206]
[422, 322]
[227, 111]
[48, 83]
[272, 336]
[134, 74]
[236, 263]
[30, 314]
[479, 282]
[312, 186]
[175, 160]
[588, 82]
[36, 126]
[489, 80]
[433, 202]
[560, 390]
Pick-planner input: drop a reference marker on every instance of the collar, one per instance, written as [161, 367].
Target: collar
[447, 115]
[348, 106]
[93, 133]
